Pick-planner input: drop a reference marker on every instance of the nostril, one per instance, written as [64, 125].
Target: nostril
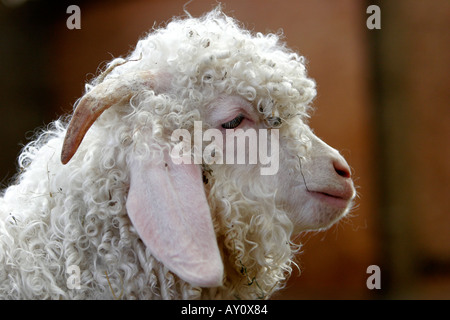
[341, 167]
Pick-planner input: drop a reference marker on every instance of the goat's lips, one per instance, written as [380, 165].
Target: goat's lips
[335, 198]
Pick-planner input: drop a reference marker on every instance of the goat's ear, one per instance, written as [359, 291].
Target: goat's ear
[167, 205]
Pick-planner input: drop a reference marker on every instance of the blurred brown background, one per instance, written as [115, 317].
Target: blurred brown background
[383, 101]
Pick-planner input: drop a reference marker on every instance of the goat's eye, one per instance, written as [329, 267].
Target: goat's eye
[233, 123]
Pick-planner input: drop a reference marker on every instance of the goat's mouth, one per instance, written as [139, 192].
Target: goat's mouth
[336, 199]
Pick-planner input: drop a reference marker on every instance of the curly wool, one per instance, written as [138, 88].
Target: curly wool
[56, 217]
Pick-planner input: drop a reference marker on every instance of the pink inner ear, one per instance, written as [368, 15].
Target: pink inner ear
[168, 207]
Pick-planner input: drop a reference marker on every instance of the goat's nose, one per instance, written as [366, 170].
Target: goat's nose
[341, 167]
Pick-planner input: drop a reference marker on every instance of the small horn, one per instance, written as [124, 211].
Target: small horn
[95, 102]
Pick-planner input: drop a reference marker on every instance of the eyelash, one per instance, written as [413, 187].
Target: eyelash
[233, 123]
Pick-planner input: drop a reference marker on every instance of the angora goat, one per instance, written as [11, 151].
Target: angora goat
[101, 209]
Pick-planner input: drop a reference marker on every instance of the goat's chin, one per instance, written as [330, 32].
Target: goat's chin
[327, 216]
[319, 212]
